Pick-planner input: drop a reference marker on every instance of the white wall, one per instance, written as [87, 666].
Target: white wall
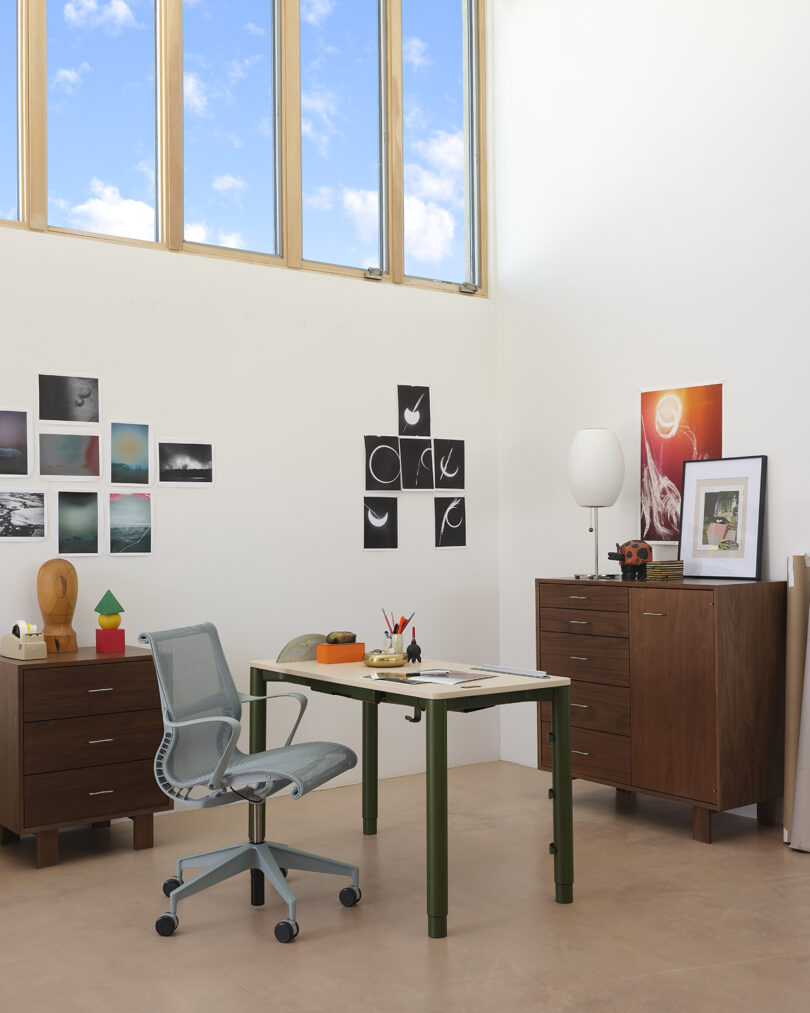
[652, 178]
[284, 372]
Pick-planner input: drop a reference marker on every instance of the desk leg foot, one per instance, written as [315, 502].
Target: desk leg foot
[47, 848]
[701, 824]
[565, 893]
[437, 926]
[369, 827]
[143, 833]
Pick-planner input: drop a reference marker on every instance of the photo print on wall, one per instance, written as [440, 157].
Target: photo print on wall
[182, 463]
[414, 410]
[130, 520]
[678, 424]
[382, 462]
[14, 443]
[451, 521]
[416, 459]
[68, 398]
[69, 455]
[129, 453]
[22, 516]
[380, 528]
[448, 463]
[78, 514]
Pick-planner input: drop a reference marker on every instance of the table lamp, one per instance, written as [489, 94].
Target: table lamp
[595, 476]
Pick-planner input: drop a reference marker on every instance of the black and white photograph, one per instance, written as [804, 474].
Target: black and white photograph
[416, 459]
[13, 443]
[22, 516]
[414, 410]
[380, 528]
[181, 463]
[451, 521]
[78, 514]
[130, 523]
[448, 463]
[382, 463]
[68, 398]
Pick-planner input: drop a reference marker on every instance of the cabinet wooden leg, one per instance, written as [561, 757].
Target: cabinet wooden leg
[142, 832]
[766, 812]
[8, 836]
[47, 848]
[702, 824]
[100, 824]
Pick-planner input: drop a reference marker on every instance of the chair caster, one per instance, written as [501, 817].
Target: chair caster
[166, 924]
[286, 931]
[350, 895]
[171, 884]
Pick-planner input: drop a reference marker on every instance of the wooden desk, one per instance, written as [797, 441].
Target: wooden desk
[352, 680]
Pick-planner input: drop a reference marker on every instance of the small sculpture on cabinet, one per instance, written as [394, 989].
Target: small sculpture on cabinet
[109, 638]
[632, 557]
[57, 591]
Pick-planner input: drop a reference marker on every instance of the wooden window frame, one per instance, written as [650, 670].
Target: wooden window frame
[32, 142]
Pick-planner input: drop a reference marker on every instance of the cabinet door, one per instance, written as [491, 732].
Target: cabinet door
[672, 692]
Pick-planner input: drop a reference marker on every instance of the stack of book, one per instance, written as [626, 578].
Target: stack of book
[665, 569]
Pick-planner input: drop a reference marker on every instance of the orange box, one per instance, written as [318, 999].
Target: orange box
[334, 654]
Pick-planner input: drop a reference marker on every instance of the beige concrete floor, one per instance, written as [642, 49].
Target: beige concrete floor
[658, 922]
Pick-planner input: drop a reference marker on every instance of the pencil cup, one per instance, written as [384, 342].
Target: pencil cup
[396, 643]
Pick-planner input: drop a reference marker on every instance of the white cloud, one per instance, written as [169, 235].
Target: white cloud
[194, 96]
[68, 78]
[321, 199]
[314, 11]
[113, 16]
[148, 169]
[323, 106]
[423, 183]
[443, 151]
[195, 232]
[414, 117]
[110, 214]
[363, 207]
[321, 141]
[227, 182]
[232, 239]
[429, 230]
[237, 69]
[414, 52]
[253, 29]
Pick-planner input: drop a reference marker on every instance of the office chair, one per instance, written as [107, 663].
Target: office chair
[199, 764]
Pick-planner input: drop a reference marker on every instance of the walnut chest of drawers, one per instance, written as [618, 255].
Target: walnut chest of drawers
[78, 734]
[677, 688]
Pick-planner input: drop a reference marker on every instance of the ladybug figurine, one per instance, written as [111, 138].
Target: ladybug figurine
[633, 557]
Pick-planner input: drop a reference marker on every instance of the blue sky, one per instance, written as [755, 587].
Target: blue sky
[8, 111]
[101, 126]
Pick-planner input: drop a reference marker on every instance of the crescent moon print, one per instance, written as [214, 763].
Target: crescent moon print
[383, 469]
[450, 517]
[448, 463]
[414, 411]
[380, 530]
[416, 457]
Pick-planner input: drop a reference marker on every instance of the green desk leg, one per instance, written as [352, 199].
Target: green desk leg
[563, 805]
[436, 778]
[258, 743]
[370, 716]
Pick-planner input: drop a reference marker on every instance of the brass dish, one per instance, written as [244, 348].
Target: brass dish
[379, 659]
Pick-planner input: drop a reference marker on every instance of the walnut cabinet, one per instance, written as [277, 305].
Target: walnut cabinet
[677, 688]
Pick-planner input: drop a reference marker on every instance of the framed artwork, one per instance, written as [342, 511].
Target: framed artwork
[15, 459]
[69, 455]
[380, 522]
[416, 461]
[383, 468]
[129, 453]
[414, 410]
[721, 530]
[450, 518]
[182, 463]
[68, 398]
[677, 424]
[130, 522]
[23, 517]
[78, 514]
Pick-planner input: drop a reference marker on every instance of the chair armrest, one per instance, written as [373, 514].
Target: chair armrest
[215, 781]
[302, 701]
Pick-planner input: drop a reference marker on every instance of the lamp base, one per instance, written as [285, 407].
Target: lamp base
[597, 576]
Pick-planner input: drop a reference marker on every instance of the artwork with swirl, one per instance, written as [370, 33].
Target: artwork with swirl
[677, 425]
[383, 469]
[450, 518]
[380, 528]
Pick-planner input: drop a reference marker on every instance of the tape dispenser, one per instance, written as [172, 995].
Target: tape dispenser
[24, 643]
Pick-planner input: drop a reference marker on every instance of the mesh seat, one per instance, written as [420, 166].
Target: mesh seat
[199, 763]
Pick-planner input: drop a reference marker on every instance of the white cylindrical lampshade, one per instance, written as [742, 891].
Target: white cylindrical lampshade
[595, 468]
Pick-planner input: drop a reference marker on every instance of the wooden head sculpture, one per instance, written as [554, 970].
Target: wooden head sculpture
[57, 591]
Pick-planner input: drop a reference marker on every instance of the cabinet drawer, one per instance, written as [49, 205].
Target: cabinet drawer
[90, 742]
[601, 708]
[594, 624]
[594, 755]
[594, 659]
[69, 796]
[93, 689]
[587, 596]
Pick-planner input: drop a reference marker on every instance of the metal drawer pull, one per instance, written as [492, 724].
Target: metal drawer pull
[92, 742]
[579, 752]
[107, 689]
[576, 657]
[579, 597]
[584, 706]
[578, 622]
[107, 791]
[653, 613]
